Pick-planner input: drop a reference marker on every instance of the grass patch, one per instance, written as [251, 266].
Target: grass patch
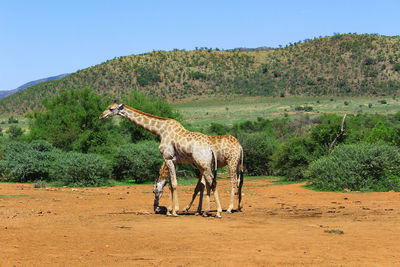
[12, 196]
[334, 231]
[312, 187]
[230, 110]
[281, 181]
[22, 122]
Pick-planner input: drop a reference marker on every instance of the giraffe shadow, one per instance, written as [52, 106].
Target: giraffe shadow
[160, 210]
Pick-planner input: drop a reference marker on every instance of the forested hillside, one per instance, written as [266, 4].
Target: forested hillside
[346, 64]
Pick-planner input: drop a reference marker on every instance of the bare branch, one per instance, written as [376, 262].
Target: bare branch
[331, 145]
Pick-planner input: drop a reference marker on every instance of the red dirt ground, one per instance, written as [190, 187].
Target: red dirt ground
[116, 226]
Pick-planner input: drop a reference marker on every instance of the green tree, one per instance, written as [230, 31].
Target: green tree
[292, 158]
[258, 149]
[382, 132]
[326, 131]
[71, 121]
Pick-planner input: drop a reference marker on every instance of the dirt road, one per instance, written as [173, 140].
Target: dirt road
[115, 226]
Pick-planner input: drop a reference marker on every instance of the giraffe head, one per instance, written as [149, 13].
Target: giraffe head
[158, 192]
[159, 184]
[111, 110]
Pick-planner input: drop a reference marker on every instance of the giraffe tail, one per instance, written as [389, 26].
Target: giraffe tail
[214, 166]
[239, 170]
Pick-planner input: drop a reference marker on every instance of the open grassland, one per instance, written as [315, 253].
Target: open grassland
[4, 123]
[203, 112]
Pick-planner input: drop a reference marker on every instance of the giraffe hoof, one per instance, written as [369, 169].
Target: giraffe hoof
[228, 212]
[218, 216]
[205, 214]
[197, 214]
[172, 215]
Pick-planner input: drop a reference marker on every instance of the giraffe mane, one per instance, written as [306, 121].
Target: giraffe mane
[146, 114]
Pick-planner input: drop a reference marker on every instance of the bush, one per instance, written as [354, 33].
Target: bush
[292, 158]
[41, 145]
[303, 108]
[40, 161]
[258, 149]
[24, 163]
[77, 169]
[361, 167]
[15, 132]
[216, 128]
[139, 162]
[12, 120]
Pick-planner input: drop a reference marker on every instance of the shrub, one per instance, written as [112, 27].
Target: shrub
[292, 158]
[41, 145]
[77, 169]
[139, 162]
[23, 163]
[258, 149]
[15, 132]
[364, 167]
[216, 128]
[12, 120]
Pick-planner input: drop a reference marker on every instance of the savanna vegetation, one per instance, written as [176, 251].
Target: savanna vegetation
[339, 65]
[50, 133]
[66, 144]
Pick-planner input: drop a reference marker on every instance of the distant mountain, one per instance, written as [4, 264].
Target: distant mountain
[339, 65]
[29, 84]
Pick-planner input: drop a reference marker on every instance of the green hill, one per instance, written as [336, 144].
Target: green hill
[347, 64]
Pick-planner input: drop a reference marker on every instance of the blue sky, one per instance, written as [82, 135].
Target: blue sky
[39, 38]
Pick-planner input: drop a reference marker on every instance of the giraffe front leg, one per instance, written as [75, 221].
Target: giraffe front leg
[174, 205]
[219, 209]
[212, 186]
[170, 200]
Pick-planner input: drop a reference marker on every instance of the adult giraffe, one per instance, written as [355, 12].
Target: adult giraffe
[229, 153]
[178, 146]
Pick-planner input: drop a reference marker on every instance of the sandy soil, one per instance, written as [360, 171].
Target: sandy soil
[280, 225]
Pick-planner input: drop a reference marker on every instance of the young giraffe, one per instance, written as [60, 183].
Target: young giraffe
[229, 153]
[178, 146]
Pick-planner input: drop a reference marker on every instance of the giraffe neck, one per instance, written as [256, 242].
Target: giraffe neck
[151, 123]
